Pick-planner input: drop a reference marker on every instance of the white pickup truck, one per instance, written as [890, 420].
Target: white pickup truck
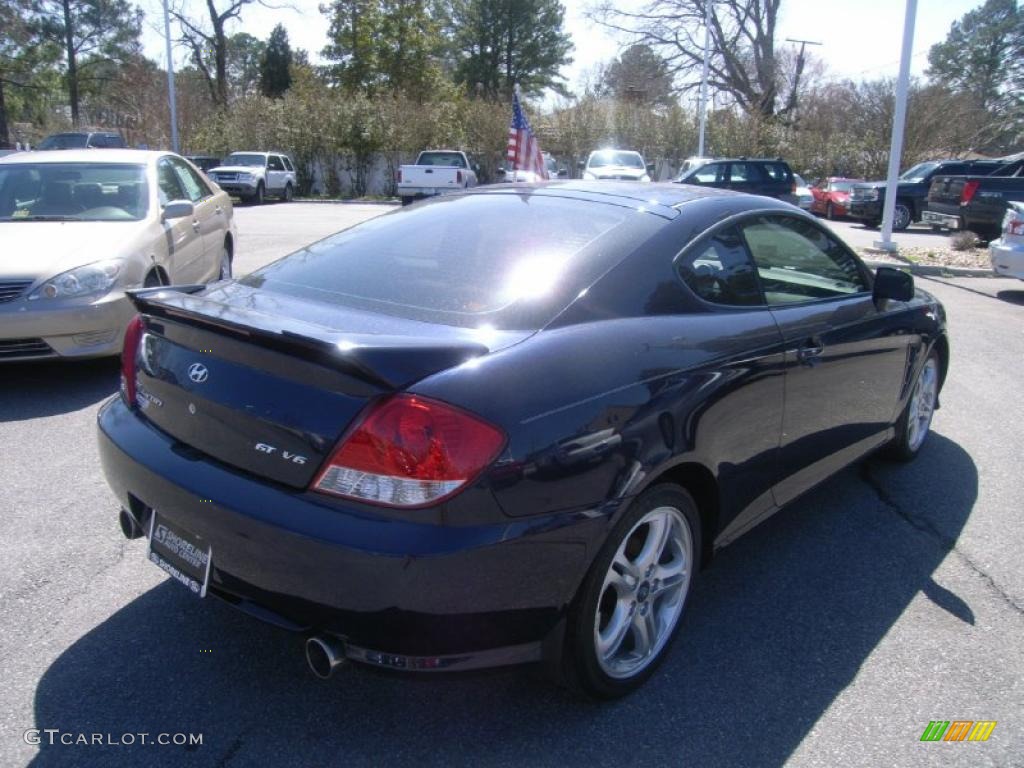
[436, 171]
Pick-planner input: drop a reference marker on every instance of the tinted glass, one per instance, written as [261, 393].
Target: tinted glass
[841, 186]
[713, 173]
[778, 172]
[510, 261]
[796, 261]
[919, 172]
[193, 184]
[73, 192]
[719, 270]
[287, 163]
[445, 159]
[743, 173]
[64, 141]
[247, 159]
[274, 163]
[626, 159]
[168, 185]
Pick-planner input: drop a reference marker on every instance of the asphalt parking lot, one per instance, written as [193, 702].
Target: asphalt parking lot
[829, 636]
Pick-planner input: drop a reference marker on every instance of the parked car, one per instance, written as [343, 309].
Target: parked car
[78, 228]
[253, 176]
[803, 194]
[832, 196]
[433, 446]
[868, 198]
[694, 162]
[755, 176]
[550, 165]
[435, 172]
[204, 163]
[1007, 253]
[82, 140]
[975, 203]
[616, 164]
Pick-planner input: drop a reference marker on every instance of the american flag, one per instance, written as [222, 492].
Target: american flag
[523, 150]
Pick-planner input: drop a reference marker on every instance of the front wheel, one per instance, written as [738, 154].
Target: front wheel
[628, 609]
[259, 196]
[916, 420]
[901, 217]
[225, 264]
[830, 213]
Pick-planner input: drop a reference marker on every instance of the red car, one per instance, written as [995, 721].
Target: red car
[831, 197]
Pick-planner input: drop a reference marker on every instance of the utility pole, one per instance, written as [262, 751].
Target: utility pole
[704, 78]
[898, 121]
[172, 101]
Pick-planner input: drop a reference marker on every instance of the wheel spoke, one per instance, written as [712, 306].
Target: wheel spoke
[623, 571]
[611, 638]
[658, 530]
[645, 633]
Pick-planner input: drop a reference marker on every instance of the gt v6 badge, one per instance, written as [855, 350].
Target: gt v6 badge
[294, 458]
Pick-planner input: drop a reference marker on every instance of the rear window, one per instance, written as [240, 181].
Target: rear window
[506, 261]
[777, 171]
[64, 141]
[444, 159]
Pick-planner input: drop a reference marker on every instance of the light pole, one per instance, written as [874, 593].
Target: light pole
[704, 78]
[898, 121]
[170, 81]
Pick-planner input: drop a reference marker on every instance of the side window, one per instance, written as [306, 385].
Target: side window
[796, 261]
[287, 163]
[776, 171]
[713, 173]
[274, 163]
[168, 184]
[719, 270]
[740, 173]
[195, 188]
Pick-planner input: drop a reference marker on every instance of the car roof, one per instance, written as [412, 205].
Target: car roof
[140, 156]
[661, 198]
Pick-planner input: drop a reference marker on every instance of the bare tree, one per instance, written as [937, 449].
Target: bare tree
[743, 63]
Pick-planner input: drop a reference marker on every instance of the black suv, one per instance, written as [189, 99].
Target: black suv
[83, 140]
[771, 178]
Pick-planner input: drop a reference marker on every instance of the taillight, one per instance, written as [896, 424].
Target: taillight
[458, 177]
[129, 355]
[967, 193]
[1014, 223]
[409, 451]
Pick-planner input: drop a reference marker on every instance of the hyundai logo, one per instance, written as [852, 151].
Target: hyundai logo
[198, 373]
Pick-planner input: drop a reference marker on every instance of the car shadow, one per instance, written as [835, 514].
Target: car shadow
[1011, 297]
[32, 390]
[776, 629]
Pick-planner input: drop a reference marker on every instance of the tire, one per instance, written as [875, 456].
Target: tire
[830, 214]
[225, 263]
[153, 279]
[289, 193]
[632, 597]
[902, 217]
[406, 201]
[913, 425]
[260, 196]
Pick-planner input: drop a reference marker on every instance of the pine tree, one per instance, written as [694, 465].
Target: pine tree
[275, 66]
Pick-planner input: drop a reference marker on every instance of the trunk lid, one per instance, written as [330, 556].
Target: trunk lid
[267, 383]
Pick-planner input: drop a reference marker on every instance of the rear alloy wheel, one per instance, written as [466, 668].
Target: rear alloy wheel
[630, 603]
[901, 217]
[830, 214]
[288, 193]
[916, 420]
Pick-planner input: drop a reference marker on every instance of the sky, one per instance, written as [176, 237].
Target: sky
[861, 38]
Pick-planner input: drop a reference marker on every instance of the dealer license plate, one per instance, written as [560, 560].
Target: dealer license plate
[183, 555]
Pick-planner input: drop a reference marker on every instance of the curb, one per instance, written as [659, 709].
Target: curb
[324, 201]
[933, 270]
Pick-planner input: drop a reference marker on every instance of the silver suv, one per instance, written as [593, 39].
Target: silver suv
[253, 176]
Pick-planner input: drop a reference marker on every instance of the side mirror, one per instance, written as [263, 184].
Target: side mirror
[563, 173]
[178, 209]
[893, 284]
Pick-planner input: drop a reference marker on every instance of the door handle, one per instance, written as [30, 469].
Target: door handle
[810, 351]
[218, 210]
[195, 225]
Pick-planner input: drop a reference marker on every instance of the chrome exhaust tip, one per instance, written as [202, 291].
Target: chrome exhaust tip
[129, 526]
[324, 655]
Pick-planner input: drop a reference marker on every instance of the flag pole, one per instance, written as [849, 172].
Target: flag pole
[515, 162]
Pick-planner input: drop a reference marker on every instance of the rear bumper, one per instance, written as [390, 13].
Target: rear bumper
[63, 329]
[944, 220]
[868, 210]
[1007, 259]
[400, 588]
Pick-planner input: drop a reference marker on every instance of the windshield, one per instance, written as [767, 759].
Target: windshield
[842, 186]
[609, 157]
[64, 141]
[919, 172]
[242, 158]
[448, 159]
[73, 192]
[507, 261]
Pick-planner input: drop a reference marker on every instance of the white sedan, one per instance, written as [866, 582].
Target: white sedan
[79, 227]
[1007, 253]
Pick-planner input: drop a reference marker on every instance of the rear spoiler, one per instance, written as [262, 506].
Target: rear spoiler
[391, 362]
